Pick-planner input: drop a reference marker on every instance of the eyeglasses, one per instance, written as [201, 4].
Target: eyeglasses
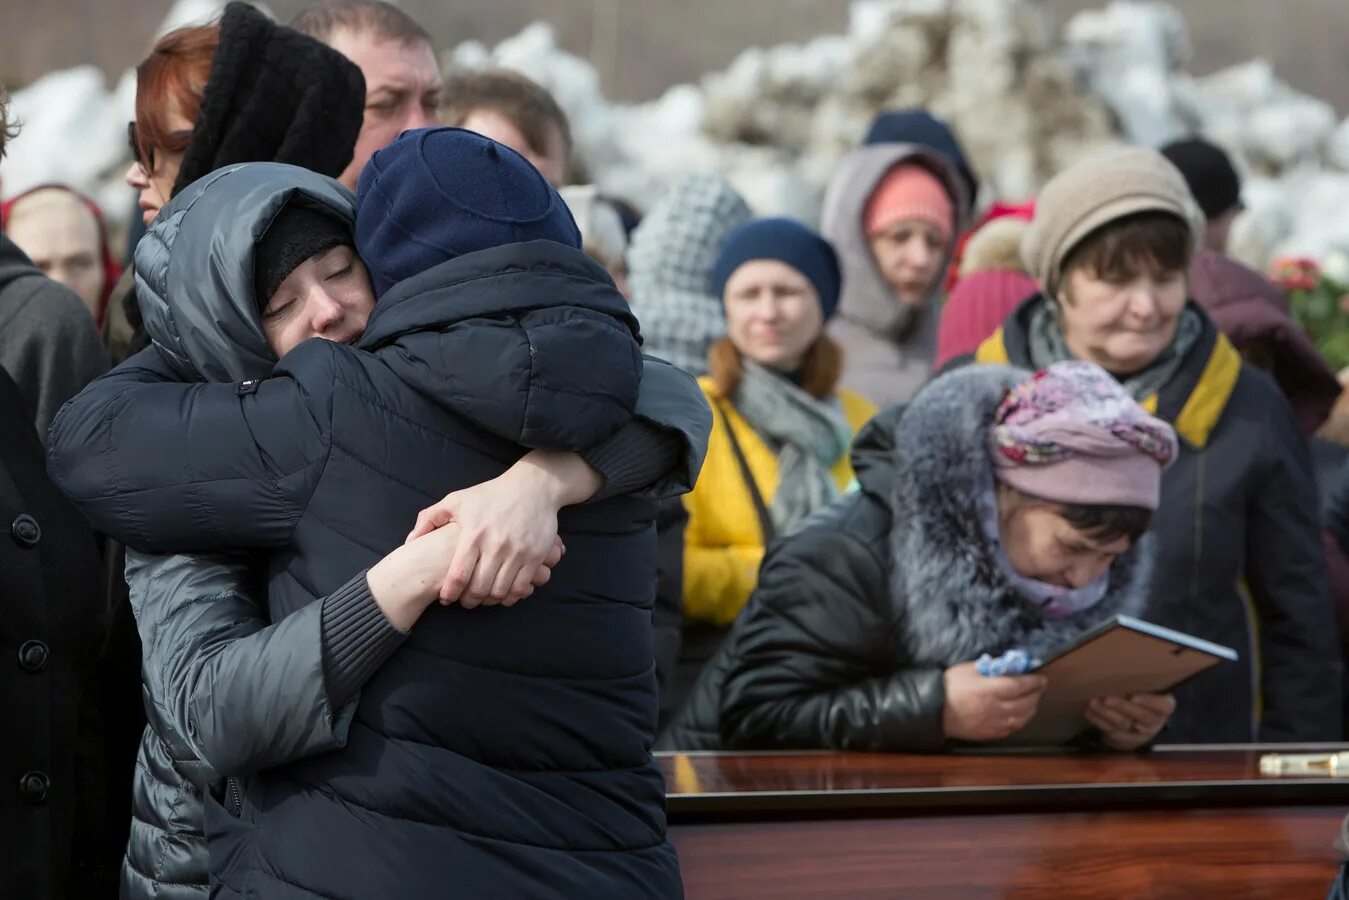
[135, 147]
[177, 141]
[146, 160]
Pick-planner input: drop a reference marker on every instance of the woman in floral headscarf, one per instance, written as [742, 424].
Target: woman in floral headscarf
[997, 512]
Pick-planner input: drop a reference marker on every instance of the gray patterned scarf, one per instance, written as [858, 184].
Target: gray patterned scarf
[1047, 346]
[809, 436]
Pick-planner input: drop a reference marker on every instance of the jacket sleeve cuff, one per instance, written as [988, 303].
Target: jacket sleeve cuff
[916, 726]
[635, 457]
[357, 639]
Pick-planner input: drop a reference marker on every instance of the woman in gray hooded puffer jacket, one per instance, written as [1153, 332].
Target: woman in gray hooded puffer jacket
[227, 692]
[893, 212]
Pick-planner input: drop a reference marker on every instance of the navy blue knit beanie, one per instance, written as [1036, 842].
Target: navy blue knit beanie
[918, 126]
[435, 194]
[789, 242]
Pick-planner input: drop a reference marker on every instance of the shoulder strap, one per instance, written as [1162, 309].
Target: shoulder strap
[765, 519]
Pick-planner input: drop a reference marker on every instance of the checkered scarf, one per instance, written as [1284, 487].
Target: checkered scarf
[669, 265]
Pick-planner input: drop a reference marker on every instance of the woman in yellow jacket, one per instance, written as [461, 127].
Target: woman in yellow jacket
[781, 427]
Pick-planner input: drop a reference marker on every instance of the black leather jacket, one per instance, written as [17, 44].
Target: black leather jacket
[789, 626]
[859, 612]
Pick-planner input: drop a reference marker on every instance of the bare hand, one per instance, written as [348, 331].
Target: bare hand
[406, 581]
[1132, 722]
[979, 708]
[508, 538]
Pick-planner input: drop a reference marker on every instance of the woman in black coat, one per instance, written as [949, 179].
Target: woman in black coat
[55, 834]
[986, 521]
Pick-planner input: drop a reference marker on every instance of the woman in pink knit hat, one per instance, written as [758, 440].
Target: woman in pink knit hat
[998, 511]
[892, 211]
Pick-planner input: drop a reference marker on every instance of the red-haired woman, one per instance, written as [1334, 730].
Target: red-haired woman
[243, 89]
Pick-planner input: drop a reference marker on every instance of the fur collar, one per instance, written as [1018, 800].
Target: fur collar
[952, 602]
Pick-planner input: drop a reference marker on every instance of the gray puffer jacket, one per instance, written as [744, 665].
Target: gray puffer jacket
[190, 609]
[225, 692]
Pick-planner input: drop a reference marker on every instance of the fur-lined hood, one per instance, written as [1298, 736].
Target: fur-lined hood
[994, 247]
[953, 602]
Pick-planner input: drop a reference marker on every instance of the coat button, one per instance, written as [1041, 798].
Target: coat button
[33, 656]
[33, 787]
[26, 531]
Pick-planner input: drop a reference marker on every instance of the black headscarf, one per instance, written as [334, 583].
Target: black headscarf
[274, 95]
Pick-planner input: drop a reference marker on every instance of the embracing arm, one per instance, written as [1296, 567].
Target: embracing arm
[573, 378]
[510, 523]
[810, 664]
[166, 466]
[246, 694]
[659, 452]
[242, 694]
[656, 454]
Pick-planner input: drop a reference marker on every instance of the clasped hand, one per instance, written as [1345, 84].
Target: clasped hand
[507, 543]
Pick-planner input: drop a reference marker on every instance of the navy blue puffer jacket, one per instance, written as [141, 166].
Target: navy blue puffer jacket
[500, 752]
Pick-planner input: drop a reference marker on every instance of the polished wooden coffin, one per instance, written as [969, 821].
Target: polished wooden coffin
[1177, 822]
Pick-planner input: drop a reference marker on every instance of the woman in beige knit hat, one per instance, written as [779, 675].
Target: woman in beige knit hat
[1240, 560]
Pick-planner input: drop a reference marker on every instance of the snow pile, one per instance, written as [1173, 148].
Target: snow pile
[73, 131]
[1293, 153]
[777, 120]
[1131, 55]
[1025, 101]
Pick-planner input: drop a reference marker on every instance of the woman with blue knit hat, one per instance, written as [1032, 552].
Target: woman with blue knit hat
[781, 427]
[506, 749]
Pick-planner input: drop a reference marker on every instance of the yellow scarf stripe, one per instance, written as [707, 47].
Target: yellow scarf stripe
[992, 351]
[1209, 398]
[1206, 402]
